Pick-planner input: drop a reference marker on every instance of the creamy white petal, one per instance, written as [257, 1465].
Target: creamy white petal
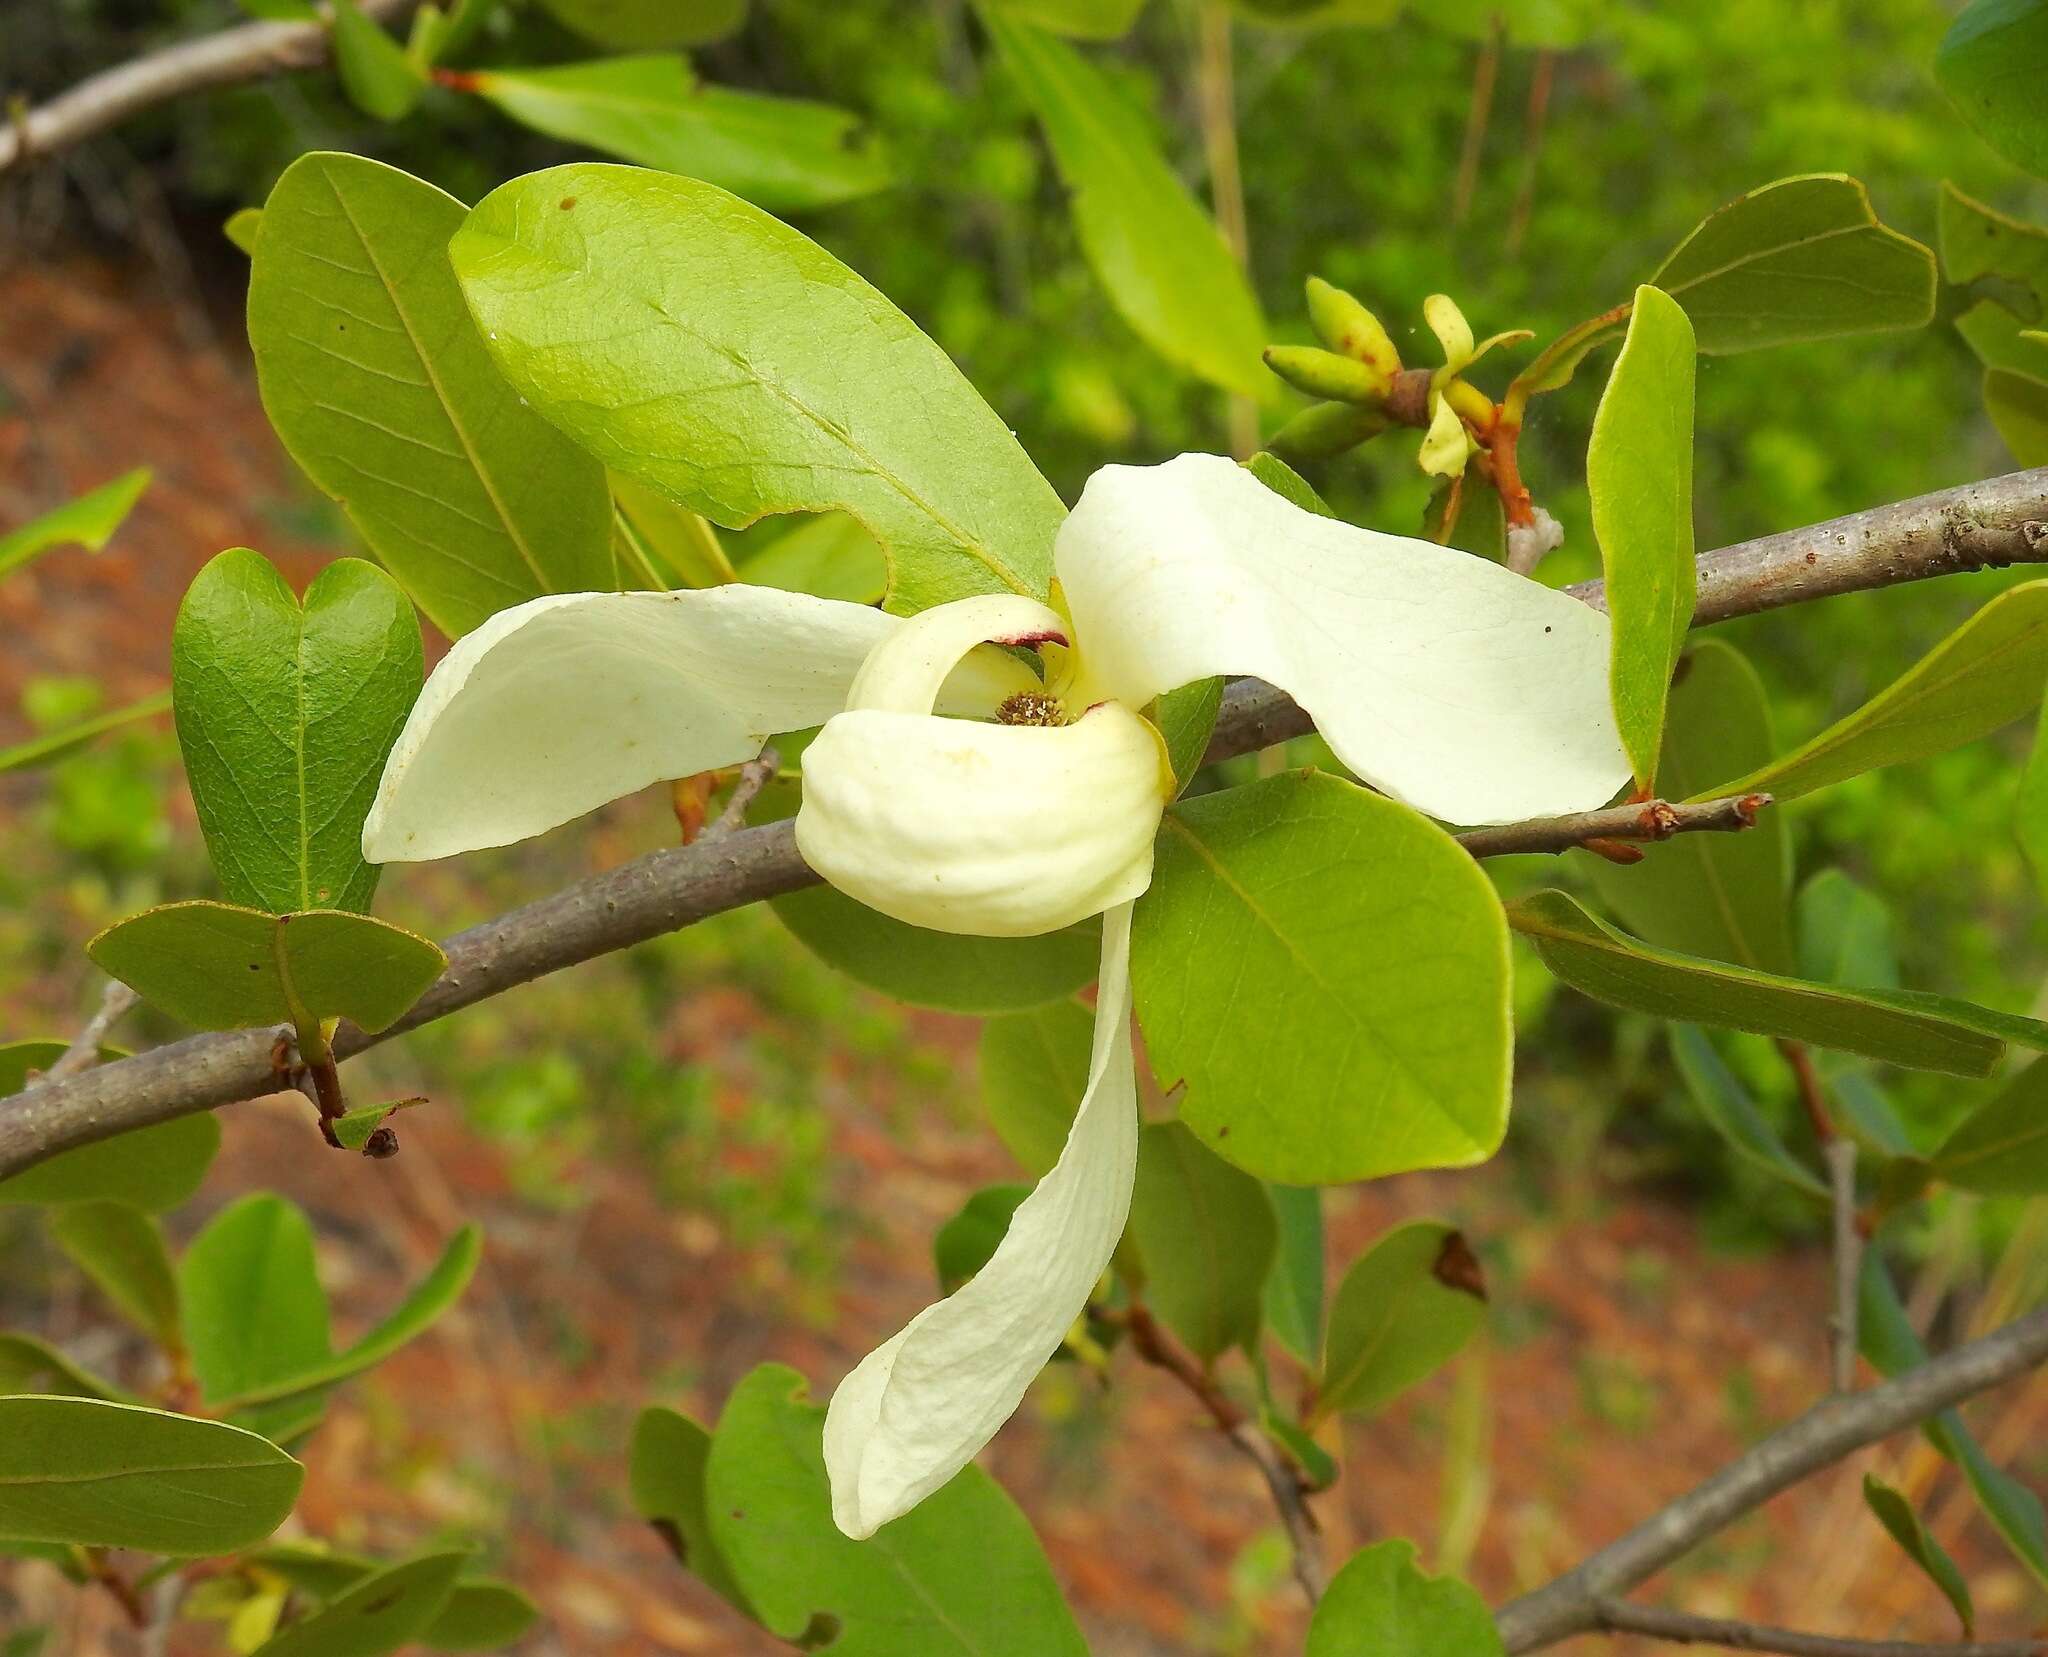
[1472, 693]
[920, 1407]
[904, 673]
[1000, 831]
[557, 705]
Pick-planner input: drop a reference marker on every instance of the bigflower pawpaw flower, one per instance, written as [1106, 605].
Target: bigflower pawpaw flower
[954, 787]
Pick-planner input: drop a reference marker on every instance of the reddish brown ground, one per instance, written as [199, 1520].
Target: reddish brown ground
[1631, 1361]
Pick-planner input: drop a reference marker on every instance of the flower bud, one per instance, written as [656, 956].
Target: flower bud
[1325, 374]
[1348, 327]
[1327, 429]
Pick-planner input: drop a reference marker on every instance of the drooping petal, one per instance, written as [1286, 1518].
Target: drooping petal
[918, 1408]
[1445, 446]
[1452, 331]
[555, 706]
[1472, 693]
[1001, 831]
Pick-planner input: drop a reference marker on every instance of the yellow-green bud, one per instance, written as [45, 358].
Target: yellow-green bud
[1323, 373]
[1348, 327]
[1327, 429]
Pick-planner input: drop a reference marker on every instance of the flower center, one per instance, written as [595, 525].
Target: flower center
[1030, 707]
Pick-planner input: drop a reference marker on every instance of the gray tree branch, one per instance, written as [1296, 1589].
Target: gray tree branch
[1576, 1601]
[251, 51]
[1681, 1628]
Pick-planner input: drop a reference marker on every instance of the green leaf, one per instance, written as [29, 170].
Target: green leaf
[2030, 805]
[28, 1365]
[119, 1476]
[218, 967]
[948, 970]
[784, 154]
[1159, 257]
[1987, 673]
[381, 389]
[1992, 64]
[2018, 406]
[54, 745]
[1369, 952]
[960, 1574]
[481, 1614]
[121, 1250]
[1034, 1069]
[1294, 1286]
[148, 1168]
[770, 379]
[829, 555]
[1076, 19]
[1207, 1235]
[1890, 1342]
[1405, 1309]
[1845, 933]
[1801, 259]
[254, 1312]
[964, 1244]
[685, 548]
[1187, 719]
[2001, 1148]
[1382, 1605]
[378, 77]
[88, 522]
[1906, 1027]
[1287, 483]
[1726, 896]
[1896, 1514]
[2003, 262]
[629, 25]
[380, 1613]
[1639, 474]
[355, 1127]
[1733, 1114]
[670, 1452]
[422, 1307]
[286, 715]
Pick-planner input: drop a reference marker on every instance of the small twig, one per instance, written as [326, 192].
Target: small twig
[1682, 1628]
[1533, 127]
[118, 1587]
[754, 776]
[1216, 94]
[1841, 1159]
[1290, 1495]
[1485, 71]
[1813, 1098]
[1635, 820]
[116, 998]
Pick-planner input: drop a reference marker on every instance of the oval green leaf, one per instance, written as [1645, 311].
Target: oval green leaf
[1034, 1070]
[380, 1613]
[88, 522]
[1207, 1235]
[1904, 1525]
[1382, 1605]
[254, 1312]
[669, 1455]
[2001, 1148]
[121, 1250]
[1369, 952]
[1993, 63]
[1404, 1310]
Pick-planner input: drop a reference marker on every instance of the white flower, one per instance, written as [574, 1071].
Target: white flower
[1471, 693]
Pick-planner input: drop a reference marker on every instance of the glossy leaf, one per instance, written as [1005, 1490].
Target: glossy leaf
[669, 1455]
[959, 1574]
[1187, 720]
[148, 1168]
[1801, 259]
[1639, 474]
[830, 556]
[119, 1476]
[286, 714]
[88, 522]
[1892, 1345]
[1207, 1235]
[378, 77]
[1896, 1514]
[637, 24]
[54, 745]
[1034, 1069]
[785, 154]
[2001, 1148]
[1999, 268]
[380, 388]
[1733, 1114]
[684, 549]
[380, 1613]
[1987, 673]
[121, 1250]
[1382, 1605]
[254, 1312]
[1905, 1027]
[1294, 1285]
[1367, 949]
[1405, 1308]
[423, 1305]
[1158, 255]
[1727, 896]
[28, 1365]
[965, 1243]
[1992, 64]
[774, 380]
[218, 967]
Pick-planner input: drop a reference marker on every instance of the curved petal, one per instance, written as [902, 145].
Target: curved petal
[1452, 331]
[557, 705]
[1445, 447]
[1001, 831]
[1472, 693]
[918, 1409]
[904, 673]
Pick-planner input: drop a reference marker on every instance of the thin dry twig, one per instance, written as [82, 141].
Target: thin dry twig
[1682, 1628]
[1848, 1257]
[754, 776]
[1637, 820]
[116, 998]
